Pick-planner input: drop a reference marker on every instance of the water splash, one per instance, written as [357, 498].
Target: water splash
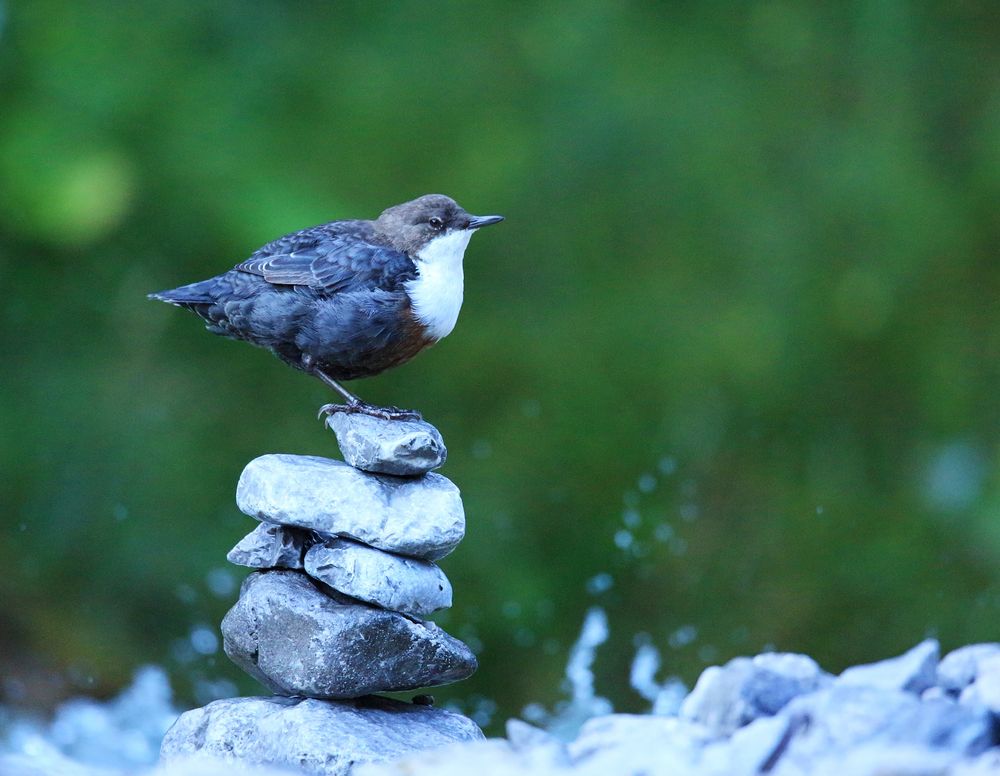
[665, 697]
[118, 736]
[584, 702]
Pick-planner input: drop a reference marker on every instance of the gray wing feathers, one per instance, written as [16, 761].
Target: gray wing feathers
[290, 269]
[330, 260]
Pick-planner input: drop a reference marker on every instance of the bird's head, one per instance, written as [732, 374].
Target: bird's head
[413, 226]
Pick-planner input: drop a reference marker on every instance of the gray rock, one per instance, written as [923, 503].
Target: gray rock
[727, 698]
[839, 729]
[914, 671]
[985, 690]
[297, 641]
[270, 546]
[780, 676]
[634, 744]
[540, 745]
[312, 736]
[391, 581]
[493, 757]
[987, 764]
[420, 517]
[844, 717]
[522, 736]
[715, 700]
[959, 668]
[874, 760]
[935, 693]
[753, 749]
[401, 447]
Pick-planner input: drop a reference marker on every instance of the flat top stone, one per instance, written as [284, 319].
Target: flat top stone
[421, 517]
[400, 447]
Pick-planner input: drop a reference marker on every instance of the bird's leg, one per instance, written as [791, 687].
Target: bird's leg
[355, 405]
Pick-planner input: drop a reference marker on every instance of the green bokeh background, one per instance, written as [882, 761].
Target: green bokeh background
[737, 344]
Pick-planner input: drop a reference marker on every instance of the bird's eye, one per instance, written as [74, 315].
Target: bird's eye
[435, 222]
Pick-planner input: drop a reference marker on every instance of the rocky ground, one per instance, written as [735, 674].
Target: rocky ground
[781, 714]
[914, 715]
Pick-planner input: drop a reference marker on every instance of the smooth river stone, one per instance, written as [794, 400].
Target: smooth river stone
[270, 546]
[402, 447]
[297, 641]
[419, 517]
[381, 578]
[326, 738]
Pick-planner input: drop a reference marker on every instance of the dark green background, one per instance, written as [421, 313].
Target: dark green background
[747, 288]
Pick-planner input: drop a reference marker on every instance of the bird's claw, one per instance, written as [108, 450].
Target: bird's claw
[362, 408]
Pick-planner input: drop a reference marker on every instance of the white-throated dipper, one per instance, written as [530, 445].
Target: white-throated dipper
[346, 299]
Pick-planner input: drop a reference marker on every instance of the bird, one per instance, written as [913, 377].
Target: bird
[346, 299]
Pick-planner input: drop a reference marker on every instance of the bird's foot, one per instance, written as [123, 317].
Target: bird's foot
[363, 408]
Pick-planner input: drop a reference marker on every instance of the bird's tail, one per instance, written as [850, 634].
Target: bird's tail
[186, 296]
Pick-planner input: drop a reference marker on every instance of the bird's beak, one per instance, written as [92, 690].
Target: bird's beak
[477, 222]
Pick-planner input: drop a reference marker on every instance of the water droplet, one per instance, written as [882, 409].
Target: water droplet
[206, 690]
[600, 583]
[511, 609]
[623, 539]
[647, 483]
[955, 476]
[631, 518]
[683, 636]
[482, 710]
[220, 582]
[534, 713]
[186, 593]
[203, 640]
[182, 651]
[551, 646]
[470, 636]
[664, 532]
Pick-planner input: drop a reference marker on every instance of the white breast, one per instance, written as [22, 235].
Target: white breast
[436, 292]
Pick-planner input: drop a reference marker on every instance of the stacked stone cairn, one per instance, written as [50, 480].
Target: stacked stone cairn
[333, 614]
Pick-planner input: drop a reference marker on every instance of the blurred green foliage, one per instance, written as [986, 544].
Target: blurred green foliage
[737, 344]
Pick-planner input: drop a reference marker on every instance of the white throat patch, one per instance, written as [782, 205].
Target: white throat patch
[436, 292]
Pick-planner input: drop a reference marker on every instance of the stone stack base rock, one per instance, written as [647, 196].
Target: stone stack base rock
[345, 570]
